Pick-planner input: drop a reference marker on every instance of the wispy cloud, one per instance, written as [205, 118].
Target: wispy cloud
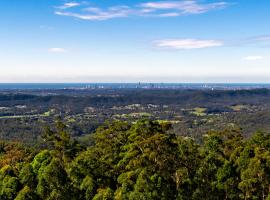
[69, 5]
[152, 9]
[57, 50]
[183, 7]
[93, 13]
[179, 44]
[262, 38]
[253, 58]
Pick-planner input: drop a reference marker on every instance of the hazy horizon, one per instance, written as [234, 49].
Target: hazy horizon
[170, 41]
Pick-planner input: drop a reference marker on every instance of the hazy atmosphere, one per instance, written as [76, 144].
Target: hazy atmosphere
[132, 41]
[134, 100]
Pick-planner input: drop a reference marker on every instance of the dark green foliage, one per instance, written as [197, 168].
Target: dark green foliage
[9, 183]
[23, 113]
[65, 148]
[139, 161]
[26, 194]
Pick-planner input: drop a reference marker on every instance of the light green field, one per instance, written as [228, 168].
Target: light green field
[46, 114]
[199, 111]
[239, 107]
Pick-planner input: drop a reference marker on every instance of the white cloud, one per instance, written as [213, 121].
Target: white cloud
[57, 50]
[152, 9]
[98, 14]
[253, 58]
[69, 5]
[187, 43]
[170, 14]
[184, 7]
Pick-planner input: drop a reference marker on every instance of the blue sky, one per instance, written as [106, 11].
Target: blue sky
[131, 41]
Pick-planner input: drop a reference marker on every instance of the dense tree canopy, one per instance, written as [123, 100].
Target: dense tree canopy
[141, 160]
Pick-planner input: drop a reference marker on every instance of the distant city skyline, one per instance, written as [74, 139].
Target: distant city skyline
[184, 41]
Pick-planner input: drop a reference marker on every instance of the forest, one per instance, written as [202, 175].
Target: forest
[136, 160]
[135, 100]
[192, 112]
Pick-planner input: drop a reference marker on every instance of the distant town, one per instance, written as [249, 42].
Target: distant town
[87, 86]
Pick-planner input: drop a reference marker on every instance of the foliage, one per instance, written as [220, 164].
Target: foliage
[142, 160]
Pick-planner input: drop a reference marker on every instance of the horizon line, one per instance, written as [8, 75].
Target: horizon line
[139, 82]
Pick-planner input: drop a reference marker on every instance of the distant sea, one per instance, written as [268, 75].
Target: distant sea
[79, 86]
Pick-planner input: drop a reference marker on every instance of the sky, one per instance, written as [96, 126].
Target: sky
[123, 41]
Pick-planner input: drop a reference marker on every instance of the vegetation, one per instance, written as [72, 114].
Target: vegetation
[23, 113]
[142, 160]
